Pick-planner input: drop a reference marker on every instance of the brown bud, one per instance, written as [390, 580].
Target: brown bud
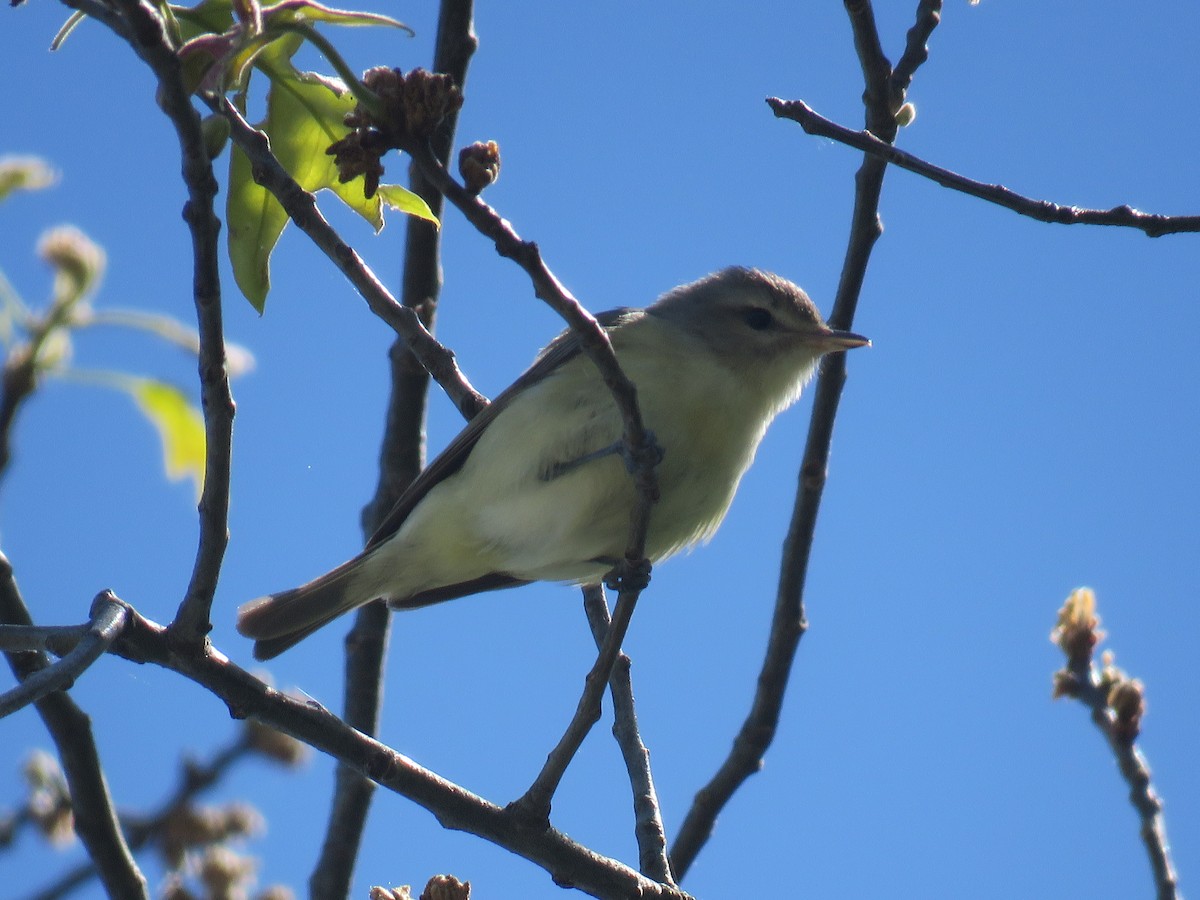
[1077, 631]
[352, 159]
[404, 892]
[225, 873]
[1127, 700]
[446, 887]
[479, 165]
[274, 744]
[428, 98]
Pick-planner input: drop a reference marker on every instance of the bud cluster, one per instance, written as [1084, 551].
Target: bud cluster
[410, 108]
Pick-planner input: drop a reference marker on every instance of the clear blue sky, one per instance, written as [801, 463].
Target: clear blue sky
[1026, 422]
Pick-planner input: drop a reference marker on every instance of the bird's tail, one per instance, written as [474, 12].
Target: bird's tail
[278, 621]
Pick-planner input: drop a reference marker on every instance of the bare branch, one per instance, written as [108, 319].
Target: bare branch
[1152, 224]
[401, 457]
[534, 805]
[878, 101]
[301, 207]
[71, 729]
[632, 572]
[143, 30]
[569, 863]
[648, 824]
[108, 618]
[788, 622]
[57, 639]
[916, 49]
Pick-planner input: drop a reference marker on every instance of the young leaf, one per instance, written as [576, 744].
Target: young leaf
[305, 114]
[179, 424]
[404, 200]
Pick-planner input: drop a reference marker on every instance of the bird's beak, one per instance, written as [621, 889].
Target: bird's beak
[833, 341]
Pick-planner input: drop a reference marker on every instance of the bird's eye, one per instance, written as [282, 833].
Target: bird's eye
[758, 318]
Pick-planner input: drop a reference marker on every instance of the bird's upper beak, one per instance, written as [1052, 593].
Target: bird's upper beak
[833, 341]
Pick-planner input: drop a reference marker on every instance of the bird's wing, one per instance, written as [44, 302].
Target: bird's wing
[561, 350]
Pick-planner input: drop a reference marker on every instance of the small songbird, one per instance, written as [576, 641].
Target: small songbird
[536, 487]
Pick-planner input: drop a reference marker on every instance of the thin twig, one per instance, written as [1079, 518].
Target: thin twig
[401, 458]
[648, 823]
[568, 862]
[632, 572]
[1154, 225]
[1136, 772]
[302, 209]
[57, 639]
[1117, 704]
[916, 48]
[71, 730]
[788, 622]
[533, 807]
[146, 36]
[108, 618]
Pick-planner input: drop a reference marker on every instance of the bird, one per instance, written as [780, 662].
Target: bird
[536, 486]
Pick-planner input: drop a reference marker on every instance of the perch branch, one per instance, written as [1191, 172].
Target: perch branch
[569, 863]
[648, 824]
[632, 572]
[593, 340]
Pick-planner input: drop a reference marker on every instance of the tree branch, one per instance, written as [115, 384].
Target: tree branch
[108, 618]
[569, 863]
[632, 572]
[1117, 704]
[788, 622]
[302, 208]
[71, 730]
[534, 805]
[401, 458]
[648, 824]
[916, 49]
[146, 35]
[1153, 225]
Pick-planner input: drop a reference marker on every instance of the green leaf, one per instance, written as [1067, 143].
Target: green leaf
[309, 11]
[179, 425]
[305, 114]
[209, 17]
[404, 200]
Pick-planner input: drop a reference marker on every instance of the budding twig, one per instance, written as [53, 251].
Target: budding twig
[1117, 704]
[1152, 224]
